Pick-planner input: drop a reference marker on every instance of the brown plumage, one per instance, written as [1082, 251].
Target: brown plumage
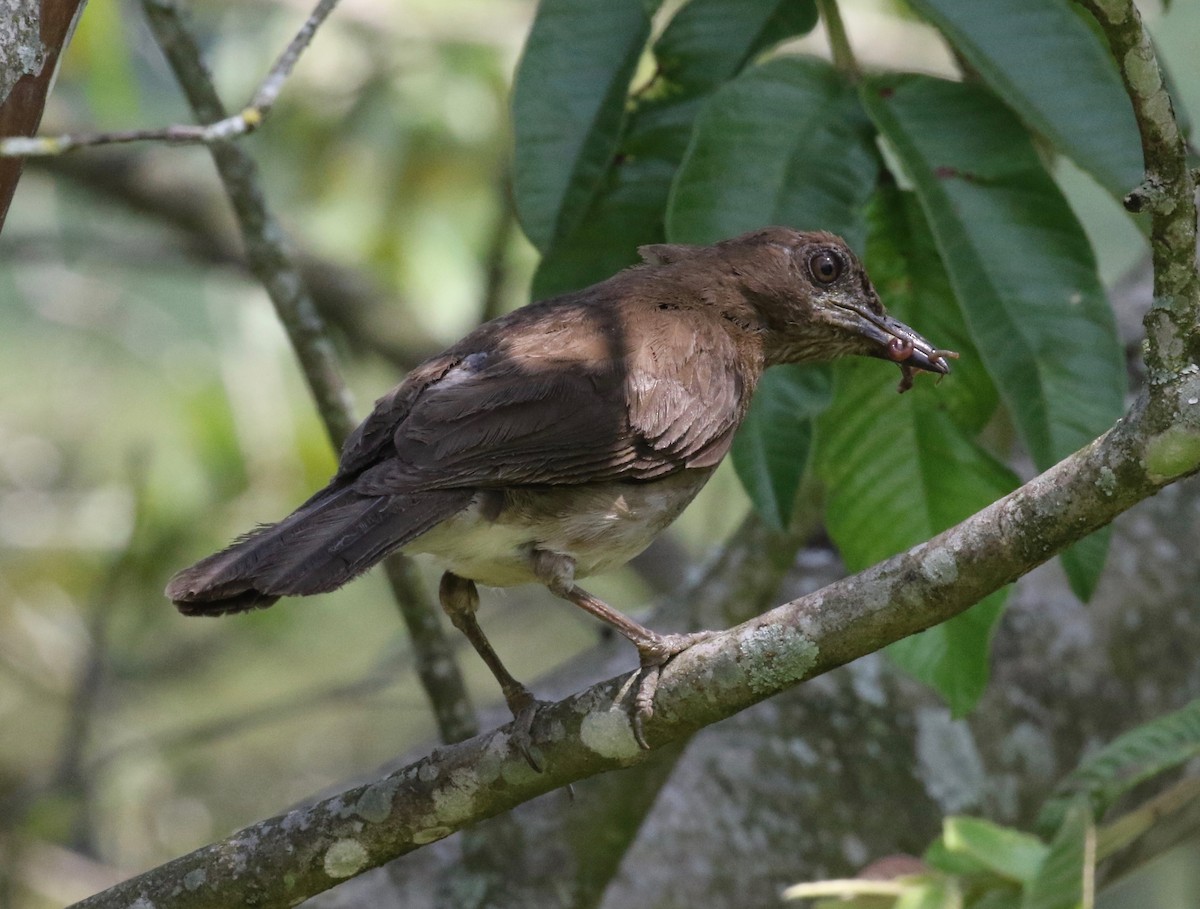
[558, 440]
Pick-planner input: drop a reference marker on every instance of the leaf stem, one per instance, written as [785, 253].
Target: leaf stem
[839, 43]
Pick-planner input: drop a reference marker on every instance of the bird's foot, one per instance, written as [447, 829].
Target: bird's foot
[524, 707]
[655, 653]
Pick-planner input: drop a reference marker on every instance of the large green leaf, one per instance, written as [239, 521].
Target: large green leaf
[568, 106]
[1162, 744]
[627, 211]
[770, 451]
[907, 271]
[784, 143]
[1019, 263]
[1055, 72]
[899, 471]
[707, 42]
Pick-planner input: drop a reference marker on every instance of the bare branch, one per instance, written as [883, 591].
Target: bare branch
[267, 250]
[220, 130]
[272, 84]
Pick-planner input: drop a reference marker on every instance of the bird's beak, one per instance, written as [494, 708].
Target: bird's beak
[908, 348]
[903, 346]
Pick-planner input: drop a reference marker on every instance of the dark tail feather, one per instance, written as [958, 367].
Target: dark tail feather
[330, 539]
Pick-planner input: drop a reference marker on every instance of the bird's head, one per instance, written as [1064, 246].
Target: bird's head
[816, 302]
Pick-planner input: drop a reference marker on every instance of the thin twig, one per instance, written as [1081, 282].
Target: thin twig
[267, 250]
[221, 129]
[270, 258]
[180, 134]
[268, 91]
[436, 666]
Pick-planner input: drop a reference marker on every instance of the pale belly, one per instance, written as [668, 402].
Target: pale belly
[601, 526]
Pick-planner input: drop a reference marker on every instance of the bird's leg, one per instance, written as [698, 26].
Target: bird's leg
[460, 601]
[655, 650]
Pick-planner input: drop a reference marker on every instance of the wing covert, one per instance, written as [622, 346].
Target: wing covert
[666, 399]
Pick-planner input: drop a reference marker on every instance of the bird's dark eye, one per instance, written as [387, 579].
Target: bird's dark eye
[826, 266]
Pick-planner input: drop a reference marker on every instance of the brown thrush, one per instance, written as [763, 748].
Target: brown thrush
[557, 441]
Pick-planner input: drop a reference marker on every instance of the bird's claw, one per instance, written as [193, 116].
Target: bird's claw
[655, 653]
[524, 707]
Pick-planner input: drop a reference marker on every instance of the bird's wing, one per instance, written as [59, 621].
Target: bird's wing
[371, 441]
[570, 402]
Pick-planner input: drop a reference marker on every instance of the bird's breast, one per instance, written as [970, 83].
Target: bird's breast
[599, 525]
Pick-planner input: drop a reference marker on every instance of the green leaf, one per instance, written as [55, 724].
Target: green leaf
[1019, 264]
[1131, 759]
[1009, 853]
[1055, 72]
[709, 41]
[568, 106]
[931, 893]
[771, 450]
[627, 211]
[1084, 562]
[941, 857]
[907, 271]
[1066, 879]
[998, 899]
[900, 471]
[784, 143]
[705, 43]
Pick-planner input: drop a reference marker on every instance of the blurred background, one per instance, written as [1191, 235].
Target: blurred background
[150, 410]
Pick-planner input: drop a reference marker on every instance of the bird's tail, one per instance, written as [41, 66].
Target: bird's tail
[333, 537]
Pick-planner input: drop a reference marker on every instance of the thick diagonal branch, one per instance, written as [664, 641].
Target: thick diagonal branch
[278, 861]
